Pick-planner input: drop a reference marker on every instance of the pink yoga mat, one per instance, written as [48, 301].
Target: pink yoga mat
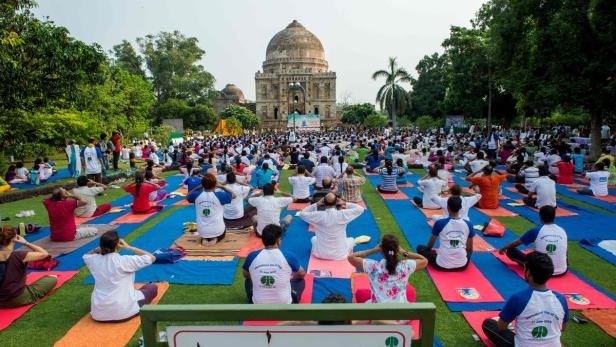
[464, 286]
[475, 320]
[580, 295]
[9, 315]
[134, 218]
[330, 268]
[297, 206]
[361, 281]
[560, 212]
[398, 196]
[497, 212]
[253, 244]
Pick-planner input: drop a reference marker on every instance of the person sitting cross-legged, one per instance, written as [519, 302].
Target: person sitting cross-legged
[431, 185]
[542, 192]
[273, 276]
[388, 277]
[598, 178]
[547, 238]
[269, 208]
[330, 241]
[301, 182]
[61, 211]
[540, 314]
[455, 237]
[328, 187]
[88, 190]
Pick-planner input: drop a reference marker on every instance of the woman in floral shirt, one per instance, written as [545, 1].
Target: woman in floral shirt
[389, 276]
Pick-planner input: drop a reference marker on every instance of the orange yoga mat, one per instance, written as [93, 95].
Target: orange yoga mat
[429, 213]
[297, 206]
[560, 212]
[605, 319]
[406, 185]
[88, 332]
[182, 202]
[79, 220]
[398, 196]
[253, 244]
[497, 212]
[134, 218]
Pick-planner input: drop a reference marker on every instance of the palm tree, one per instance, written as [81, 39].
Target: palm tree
[391, 93]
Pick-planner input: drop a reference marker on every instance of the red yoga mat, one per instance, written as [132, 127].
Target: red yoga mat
[580, 295]
[134, 218]
[297, 206]
[253, 244]
[397, 196]
[560, 212]
[9, 315]
[475, 320]
[330, 268]
[497, 212]
[464, 286]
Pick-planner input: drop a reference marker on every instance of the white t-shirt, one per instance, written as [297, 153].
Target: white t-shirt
[478, 164]
[268, 209]
[209, 212]
[321, 171]
[452, 235]
[545, 188]
[154, 157]
[301, 186]
[339, 168]
[235, 210]
[93, 164]
[598, 182]
[431, 187]
[550, 239]
[114, 296]
[467, 203]
[330, 241]
[88, 194]
[270, 272]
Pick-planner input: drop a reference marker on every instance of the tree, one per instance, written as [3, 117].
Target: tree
[430, 87]
[125, 57]
[391, 94]
[234, 124]
[558, 53]
[248, 119]
[198, 117]
[424, 123]
[356, 114]
[375, 121]
[171, 59]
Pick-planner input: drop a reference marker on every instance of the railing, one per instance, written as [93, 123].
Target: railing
[152, 314]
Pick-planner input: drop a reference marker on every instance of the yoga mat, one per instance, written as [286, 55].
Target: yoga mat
[56, 249]
[253, 244]
[88, 332]
[80, 220]
[497, 212]
[592, 245]
[560, 212]
[61, 174]
[297, 206]
[580, 294]
[229, 246]
[464, 286]
[397, 196]
[605, 319]
[475, 320]
[182, 202]
[321, 268]
[406, 185]
[326, 286]
[134, 218]
[429, 213]
[9, 315]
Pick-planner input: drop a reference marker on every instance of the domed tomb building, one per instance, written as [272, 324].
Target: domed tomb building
[295, 78]
[231, 95]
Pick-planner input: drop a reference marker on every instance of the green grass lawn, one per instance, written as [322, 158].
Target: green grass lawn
[49, 320]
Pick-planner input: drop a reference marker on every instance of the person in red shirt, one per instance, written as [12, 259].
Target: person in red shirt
[565, 171]
[60, 209]
[115, 139]
[489, 187]
[140, 190]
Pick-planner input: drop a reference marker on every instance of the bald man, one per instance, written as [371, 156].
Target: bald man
[330, 241]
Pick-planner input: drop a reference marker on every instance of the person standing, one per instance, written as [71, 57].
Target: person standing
[116, 136]
[72, 155]
[92, 159]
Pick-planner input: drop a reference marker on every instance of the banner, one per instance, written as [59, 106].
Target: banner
[304, 121]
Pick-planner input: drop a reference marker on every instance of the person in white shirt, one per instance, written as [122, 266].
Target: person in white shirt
[529, 173]
[269, 207]
[478, 164]
[209, 209]
[236, 215]
[301, 184]
[540, 314]
[321, 171]
[115, 298]
[551, 160]
[154, 158]
[542, 192]
[92, 160]
[431, 185]
[325, 149]
[339, 166]
[330, 241]
[273, 276]
[598, 178]
[89, 193]
[455, 238]
[547, 238]
[467, 203]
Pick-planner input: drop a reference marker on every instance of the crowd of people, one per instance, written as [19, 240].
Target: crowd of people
[218, 172]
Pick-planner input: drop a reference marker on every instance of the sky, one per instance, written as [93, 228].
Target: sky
[358, 35]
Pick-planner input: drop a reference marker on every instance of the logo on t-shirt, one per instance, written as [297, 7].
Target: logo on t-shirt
[468, 293]
[454, 243]
[206, 212]
[391, 341]
[539, 332]
[267, 281]
[578, 299]
[550, 248]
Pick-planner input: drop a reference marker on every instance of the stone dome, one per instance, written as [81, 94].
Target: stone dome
[232, 91]
[295, 48]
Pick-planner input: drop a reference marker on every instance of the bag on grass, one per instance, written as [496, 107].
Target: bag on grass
[169, 255]
[494, 228]
[43, 264]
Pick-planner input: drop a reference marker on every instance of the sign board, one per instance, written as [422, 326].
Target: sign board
[177, 124]
[296, 336]
[456, 120]
[304, 121]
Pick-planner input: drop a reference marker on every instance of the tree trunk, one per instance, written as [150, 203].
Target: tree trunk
[596, 118]
[393, 108]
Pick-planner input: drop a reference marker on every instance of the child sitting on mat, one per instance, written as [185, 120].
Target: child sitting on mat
[389, 276]
[115, 298]
[159, 194]
[540, 314]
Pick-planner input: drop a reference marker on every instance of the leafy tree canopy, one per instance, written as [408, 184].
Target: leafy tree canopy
[375, 121]
[248, 119]
[356, 114]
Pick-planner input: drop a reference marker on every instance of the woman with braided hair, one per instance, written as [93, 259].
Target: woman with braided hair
[140, 190]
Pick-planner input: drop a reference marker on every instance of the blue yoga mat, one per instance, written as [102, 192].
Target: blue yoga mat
[62, 173]
[592, 246]
[326, 286]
